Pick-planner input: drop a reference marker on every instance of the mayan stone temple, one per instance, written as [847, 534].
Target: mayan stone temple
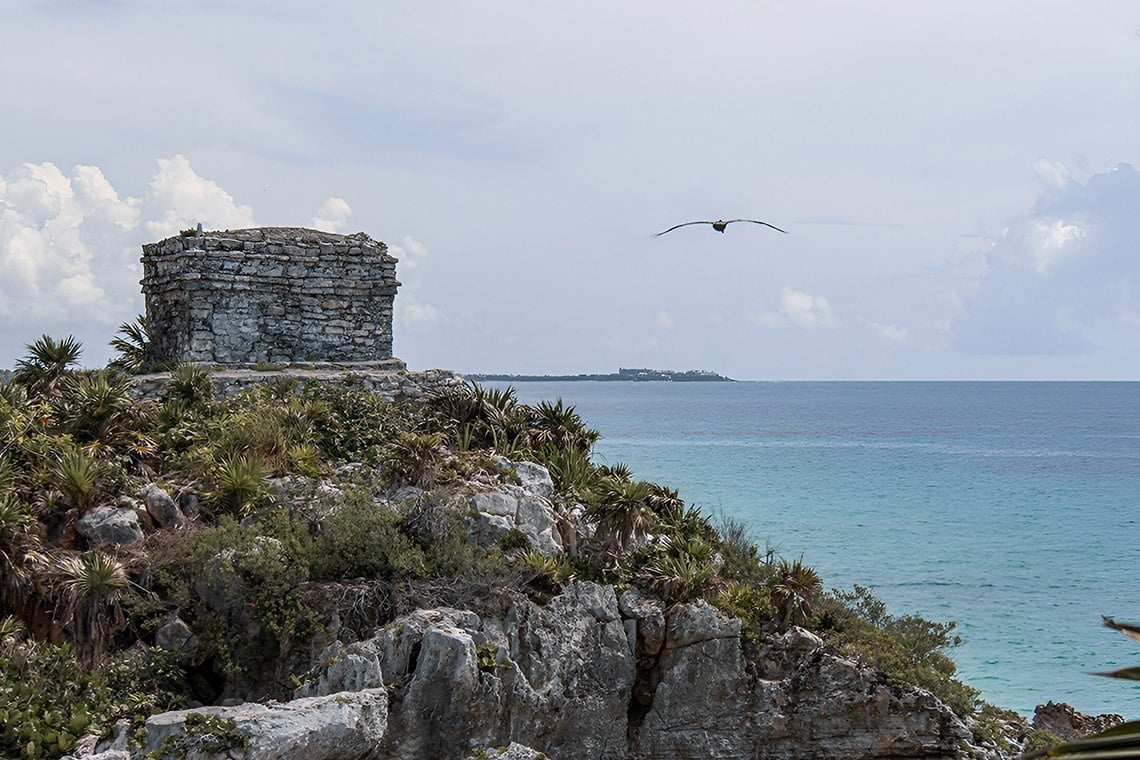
[278, 295]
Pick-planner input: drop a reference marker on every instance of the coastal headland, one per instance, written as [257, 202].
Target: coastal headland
[631, 375]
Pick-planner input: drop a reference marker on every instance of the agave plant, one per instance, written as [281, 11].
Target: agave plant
[550, 572]
[560, 427]
[47, 363]
[1120, 741]
[97, 408]
[90, 587]
[574, 474]
[413, 458]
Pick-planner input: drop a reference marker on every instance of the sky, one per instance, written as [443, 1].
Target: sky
[959, 180]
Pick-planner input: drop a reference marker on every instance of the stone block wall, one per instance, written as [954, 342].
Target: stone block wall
[282, 295]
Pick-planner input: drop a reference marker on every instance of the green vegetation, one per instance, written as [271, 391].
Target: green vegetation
[202, 735]
[251, 573]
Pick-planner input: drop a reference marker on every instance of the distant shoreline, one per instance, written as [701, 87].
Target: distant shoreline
[635, 375]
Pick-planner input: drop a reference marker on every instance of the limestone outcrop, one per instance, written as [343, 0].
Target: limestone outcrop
[587, 675]
[341, 726]
[1068, 724]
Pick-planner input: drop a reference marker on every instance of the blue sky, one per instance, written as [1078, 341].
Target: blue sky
[957, 177]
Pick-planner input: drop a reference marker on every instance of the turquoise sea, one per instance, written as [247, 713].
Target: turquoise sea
[1010, 508]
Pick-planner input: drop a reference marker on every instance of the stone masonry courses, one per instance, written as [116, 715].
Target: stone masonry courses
[278, 295]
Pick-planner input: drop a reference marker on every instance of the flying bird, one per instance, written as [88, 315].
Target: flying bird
[720, 224]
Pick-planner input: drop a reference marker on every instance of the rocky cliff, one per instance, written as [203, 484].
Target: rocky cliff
[589, 675]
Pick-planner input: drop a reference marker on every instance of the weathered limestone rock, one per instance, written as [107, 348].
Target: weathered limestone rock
[334, 727]
[397, 643]
[354, 667]
[557, 677]
[107, 526]
[493, 513]
[1068, 724]
[174, 635]
[534, 478]
[649, 614]
[161, 507]
[712, 703]
[514, 751]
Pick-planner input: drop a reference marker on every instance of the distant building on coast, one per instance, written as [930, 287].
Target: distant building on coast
[278, 295]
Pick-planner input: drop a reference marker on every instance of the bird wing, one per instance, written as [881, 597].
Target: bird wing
[1131, 631]
[675, 226]
[755, 221]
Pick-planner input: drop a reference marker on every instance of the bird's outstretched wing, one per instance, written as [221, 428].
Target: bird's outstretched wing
[675, 226]
[756, 221]
[1131, 631]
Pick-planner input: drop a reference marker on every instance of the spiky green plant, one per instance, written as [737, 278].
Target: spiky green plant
[47, 363]
[413, 458]
[551, 572]
[794, 587]
[618, 471]
[91, 587]
[132, 344]
[239, 484]
[98, 410]
[678, 576]
[574, 475]
[557, 426]
[622, 513]
[190, 384]
[77, 476]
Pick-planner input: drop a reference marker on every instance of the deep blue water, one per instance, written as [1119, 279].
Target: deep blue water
[1010, 508]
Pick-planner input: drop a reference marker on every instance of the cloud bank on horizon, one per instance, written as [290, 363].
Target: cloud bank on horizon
[1065, 278]
[958, 180]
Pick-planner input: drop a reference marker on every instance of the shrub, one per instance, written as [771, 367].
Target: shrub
[513, 539]
[549, 573]
[47, 700]
[363, 540]
[241, 589]
[909, 649]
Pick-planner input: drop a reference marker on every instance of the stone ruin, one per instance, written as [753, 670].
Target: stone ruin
[276, 295]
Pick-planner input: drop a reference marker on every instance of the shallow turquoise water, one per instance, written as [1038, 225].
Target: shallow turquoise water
[1010, 508]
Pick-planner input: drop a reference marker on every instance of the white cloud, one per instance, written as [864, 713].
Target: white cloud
[410, 254]
[1053, 173]
[799, 309]
[179, 199]
[1060, 278]
[332, 215]
[409, 311]
[663, 320]
[48, 268]
[70, 244]
[1049, 241]
[899, 335]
